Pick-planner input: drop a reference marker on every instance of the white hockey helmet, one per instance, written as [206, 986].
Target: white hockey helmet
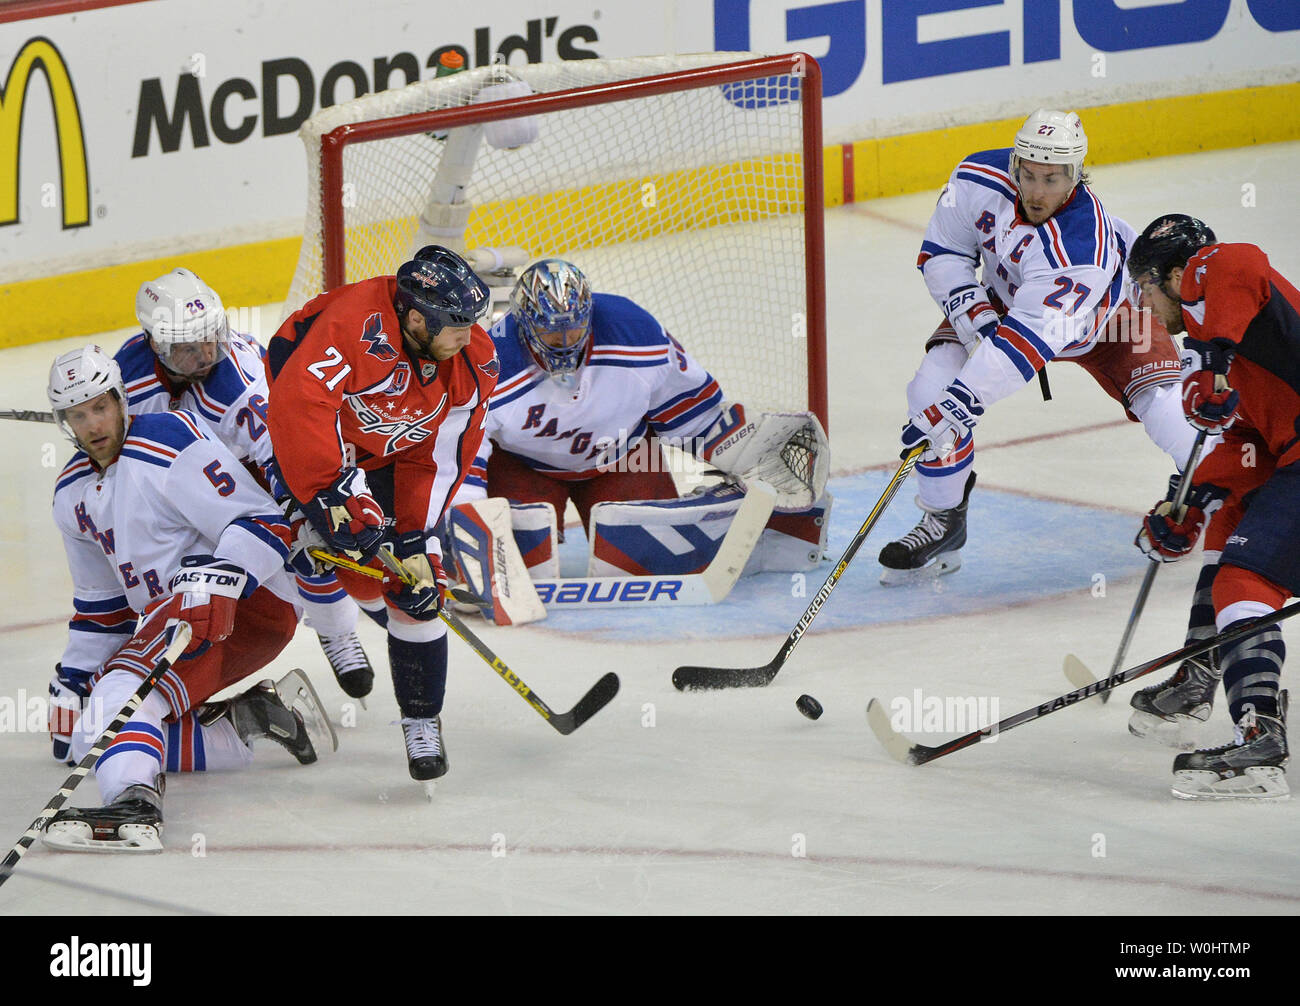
[1051, 137]
[80, 375]
[179, 309]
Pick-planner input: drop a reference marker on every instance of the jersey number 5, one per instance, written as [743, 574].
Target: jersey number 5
[1065, 287]
[332, 357]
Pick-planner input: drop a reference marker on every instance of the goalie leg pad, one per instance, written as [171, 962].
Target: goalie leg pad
[678, 537]
[483, 546]
[536, 534]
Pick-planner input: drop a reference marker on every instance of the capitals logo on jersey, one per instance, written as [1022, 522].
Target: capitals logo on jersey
[401, 430]
[375, 339]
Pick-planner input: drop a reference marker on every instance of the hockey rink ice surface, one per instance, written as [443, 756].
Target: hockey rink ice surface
[733, 802]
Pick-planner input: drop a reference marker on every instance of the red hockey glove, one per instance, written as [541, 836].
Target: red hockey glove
[423, 599]
[1209, 402]
[347, 516]
[1167, 536]
[209, 589]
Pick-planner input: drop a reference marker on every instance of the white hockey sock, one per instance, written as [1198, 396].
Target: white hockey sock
[136, 754]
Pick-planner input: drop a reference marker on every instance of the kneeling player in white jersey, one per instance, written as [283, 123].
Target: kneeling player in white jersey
[591, 386]
[1053, 286]
[162, 523]
[187, 358]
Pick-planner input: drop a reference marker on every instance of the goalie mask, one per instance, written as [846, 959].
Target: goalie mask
[1051, 137]
[78, 377]
[551, 304]
[185, 321]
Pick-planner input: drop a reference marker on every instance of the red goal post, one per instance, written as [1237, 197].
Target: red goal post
[692, 185]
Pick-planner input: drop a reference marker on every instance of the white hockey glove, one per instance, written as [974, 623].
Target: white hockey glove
[69, 689]
[945, 422]
[787, 450]
[971, 315]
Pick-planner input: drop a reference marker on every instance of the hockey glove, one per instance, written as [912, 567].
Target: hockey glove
[421, 600]
[347, 516]
[69, 689]
[209, 589]
[1167, 536]
[971, 315]
[945, 422]
[1209, 402]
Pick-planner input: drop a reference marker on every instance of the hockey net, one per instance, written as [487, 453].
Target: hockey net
[691, 185]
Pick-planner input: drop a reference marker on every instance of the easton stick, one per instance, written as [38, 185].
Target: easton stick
[691, 678]
[27, 415]
[901, 749]
[598, 696]
[1075, 670]
[180, 640]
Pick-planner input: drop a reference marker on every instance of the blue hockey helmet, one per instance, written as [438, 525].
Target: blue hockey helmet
[553, 296]
[442, 288]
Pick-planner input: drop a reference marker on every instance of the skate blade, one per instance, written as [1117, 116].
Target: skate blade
[1259, 782]
[429, 788]
[297, 693]
[76, 836]
[945, 562]
[1178, 732]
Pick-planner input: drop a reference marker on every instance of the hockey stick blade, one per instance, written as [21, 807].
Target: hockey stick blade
[689, 678]
[703, 678]
[596, 699]
[911, 753]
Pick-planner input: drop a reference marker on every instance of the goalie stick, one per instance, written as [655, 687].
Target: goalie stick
[180, 640]
[910, 753]
[1076, 672]
[692, 677]
[598, 696]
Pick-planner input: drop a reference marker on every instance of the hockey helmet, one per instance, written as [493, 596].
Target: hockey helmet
[185, 321]
[442, 288]
[77, 377]
[1051, 137]
[1167, 243]
[553, 296]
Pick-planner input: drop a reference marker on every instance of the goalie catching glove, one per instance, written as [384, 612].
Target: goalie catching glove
[347, 516]
[787, 450]
[417, 554]
[209, 590]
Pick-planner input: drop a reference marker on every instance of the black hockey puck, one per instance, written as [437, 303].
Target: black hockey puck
[809, 706]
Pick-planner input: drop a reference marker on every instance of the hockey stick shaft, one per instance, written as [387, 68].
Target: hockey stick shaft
[1149, 578]
[919, 754]
[27, 415]
[598, 696]
[721, 677]
[180, 640]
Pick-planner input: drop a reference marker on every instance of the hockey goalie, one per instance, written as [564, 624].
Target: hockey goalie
[592, 388]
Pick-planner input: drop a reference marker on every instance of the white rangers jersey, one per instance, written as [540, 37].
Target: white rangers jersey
[174, 491]
[1061, 281]
[637, 379]
[231, 399]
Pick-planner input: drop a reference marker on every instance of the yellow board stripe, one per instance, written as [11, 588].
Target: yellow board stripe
[99, 300]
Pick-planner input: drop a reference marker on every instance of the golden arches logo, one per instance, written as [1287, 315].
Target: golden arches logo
[41, 54]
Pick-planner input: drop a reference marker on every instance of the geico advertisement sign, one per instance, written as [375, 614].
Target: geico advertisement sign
[40, 64]
[286, 90]
[900, 41]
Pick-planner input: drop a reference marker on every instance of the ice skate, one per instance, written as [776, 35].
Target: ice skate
[930, 549]
[1250, 767]
[425, 751]
[350, 664]
[1170, 711]
[131, 823]
[288, 712]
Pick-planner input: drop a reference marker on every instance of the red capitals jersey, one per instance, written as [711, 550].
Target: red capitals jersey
[1233, 297]
[340, 374]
